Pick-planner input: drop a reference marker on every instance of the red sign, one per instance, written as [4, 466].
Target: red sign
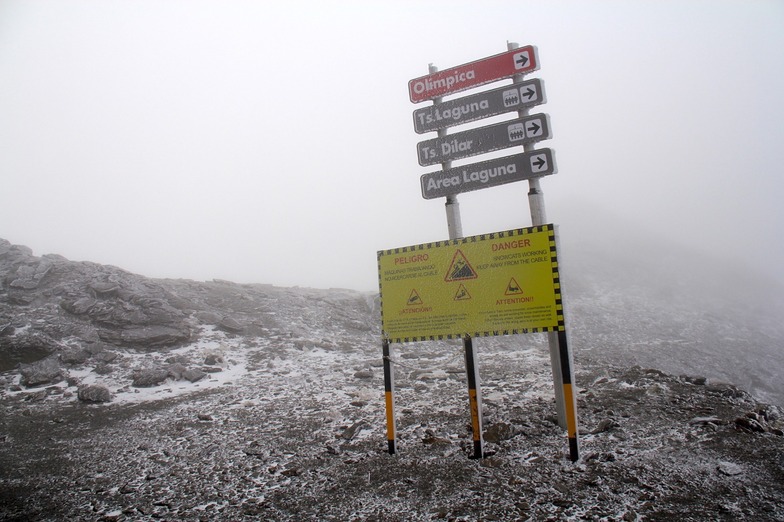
[474, 74]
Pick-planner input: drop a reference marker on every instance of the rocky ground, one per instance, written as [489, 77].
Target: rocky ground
[218, 401]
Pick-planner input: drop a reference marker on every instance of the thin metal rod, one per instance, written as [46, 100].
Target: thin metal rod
[454, 224]
[539, 217]
[474, 397]
[455, 228]
[571, 404]
[389, 395]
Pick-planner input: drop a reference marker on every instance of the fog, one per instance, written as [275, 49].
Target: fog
[265, 143]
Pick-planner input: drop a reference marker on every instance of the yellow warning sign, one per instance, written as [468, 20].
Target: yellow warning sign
[492, 284]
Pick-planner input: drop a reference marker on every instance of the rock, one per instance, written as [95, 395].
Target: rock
[605, 425]
[20, 299]
[431, 438]
[107, 356]
[770, 413]
[492, 462]
[36, 396]
[106, 289]
[176, 370]
[78, 306]
[103, 369]
[149, 378]
[94, 393]
[46, 371]
[698, 381]
[256, 450]
[729, 391]
[25, 348]
[29, 277]
[208, 317]
[182, 359]
[213, 359]
[193, 375]
[6, 248]
[705, 420]
[204, 417]
[749, 424]
[148, 338]
[350, 432]
[499, 432]
[230, 324]
[364, 374]
[74, 356]
[729, 469]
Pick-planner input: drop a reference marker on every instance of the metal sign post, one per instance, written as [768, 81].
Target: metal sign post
[455, 229]
[389, 397]
[468, 301]
[560, 357]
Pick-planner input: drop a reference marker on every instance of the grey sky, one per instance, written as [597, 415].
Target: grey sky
[273, 143]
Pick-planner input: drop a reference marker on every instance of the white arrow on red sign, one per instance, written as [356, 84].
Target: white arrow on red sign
[518, 61]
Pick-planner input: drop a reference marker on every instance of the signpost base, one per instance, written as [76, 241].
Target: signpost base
[389, 389]
[570, 404]
[420, 292]
[474, 397]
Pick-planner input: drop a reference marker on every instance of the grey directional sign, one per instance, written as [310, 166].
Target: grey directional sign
[477, 106]
[490, 173]
[484, 139]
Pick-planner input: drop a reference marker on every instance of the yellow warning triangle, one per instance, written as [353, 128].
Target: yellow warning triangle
[414, 299]
[460, 269]
[513, 288]
[462, 293]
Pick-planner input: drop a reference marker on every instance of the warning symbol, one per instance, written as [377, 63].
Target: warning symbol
[513, 288]
[414, 299]
[462, 293]
[460, 269]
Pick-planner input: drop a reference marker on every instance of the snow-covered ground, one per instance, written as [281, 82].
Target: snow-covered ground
[293, 428]
[288, 420]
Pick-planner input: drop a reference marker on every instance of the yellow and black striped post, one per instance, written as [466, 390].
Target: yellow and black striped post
[474, 397]
[389, 389]
[570, 404]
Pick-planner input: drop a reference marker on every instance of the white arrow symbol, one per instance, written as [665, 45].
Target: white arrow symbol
[533, 128]
[538, 163]
[521, 60]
